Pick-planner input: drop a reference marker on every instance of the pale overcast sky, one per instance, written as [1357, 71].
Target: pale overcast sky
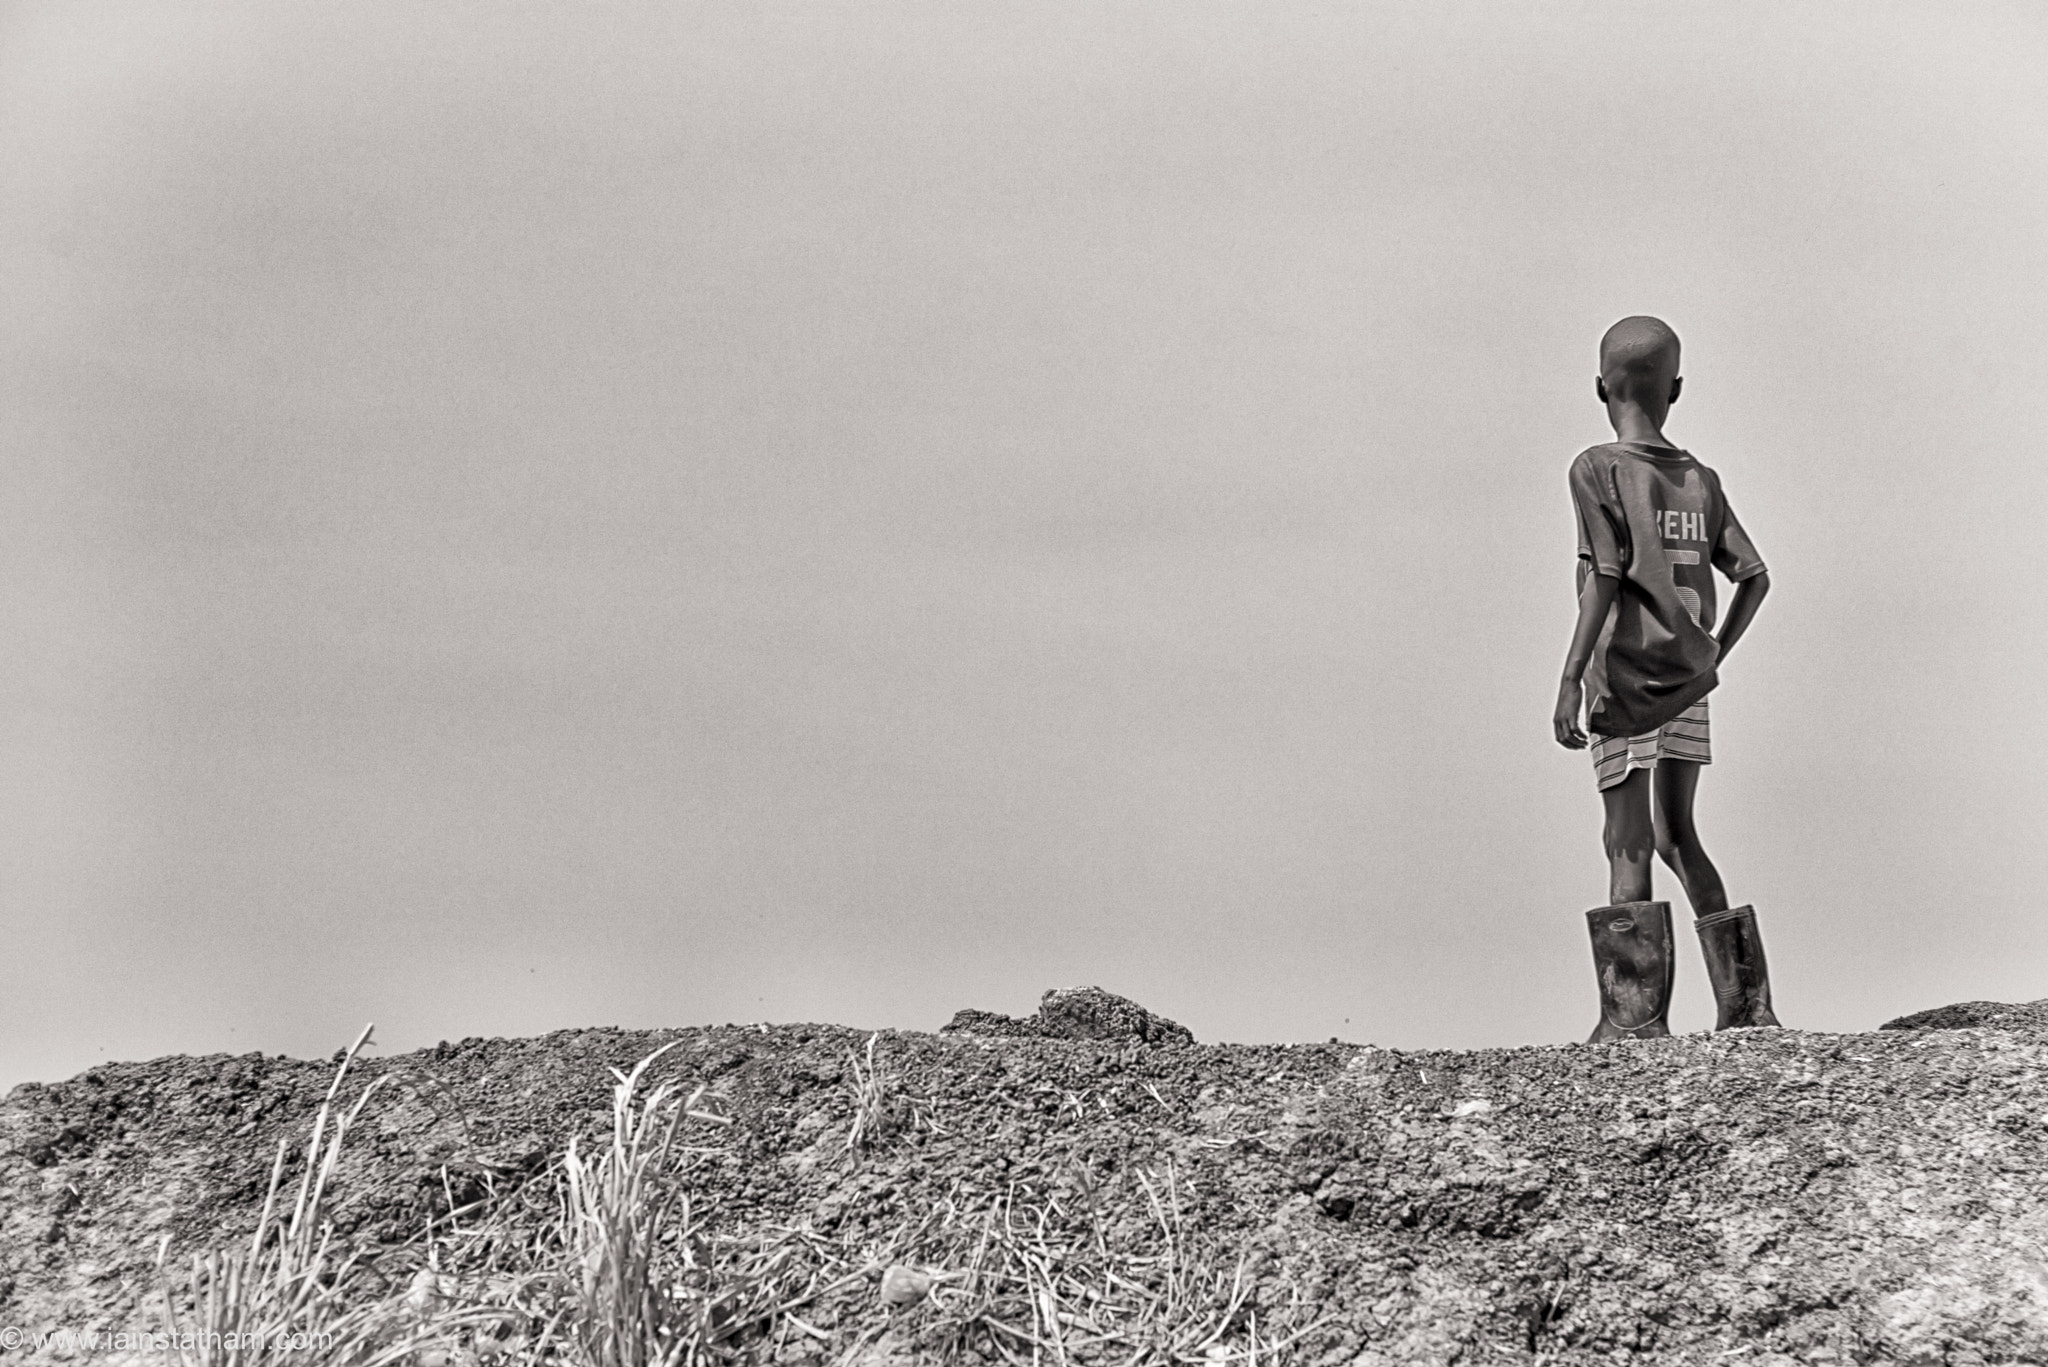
[523, 516]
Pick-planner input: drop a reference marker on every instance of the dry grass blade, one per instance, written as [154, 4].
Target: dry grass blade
[654, 1286]
[870, 1099]
[286, 1298]
[617, 1217]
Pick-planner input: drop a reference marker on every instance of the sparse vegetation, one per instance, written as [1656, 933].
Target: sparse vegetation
[296, 1294]
[633, 1270]
[869, 1090]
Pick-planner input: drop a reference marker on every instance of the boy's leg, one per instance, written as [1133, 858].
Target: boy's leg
[1629, 836]
[1632, 937]
[1678, 842]
[1734, 949]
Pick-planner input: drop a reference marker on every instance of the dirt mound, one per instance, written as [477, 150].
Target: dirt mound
[1078, 1013]
[1976, 1016]
[1763, 1196]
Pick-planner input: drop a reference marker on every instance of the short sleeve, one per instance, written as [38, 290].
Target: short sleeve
[1603, 529]
[1734, 556]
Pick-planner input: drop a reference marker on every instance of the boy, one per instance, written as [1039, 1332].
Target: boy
[1653, 525]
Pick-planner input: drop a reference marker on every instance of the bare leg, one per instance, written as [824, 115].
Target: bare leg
[1629, 836]
[1678, 843]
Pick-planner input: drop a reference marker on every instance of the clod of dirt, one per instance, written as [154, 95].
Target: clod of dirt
[905, 1285]
[1076, 1013]
[1976, 1016]
[968, 1021]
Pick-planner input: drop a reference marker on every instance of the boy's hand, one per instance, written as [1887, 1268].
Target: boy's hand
[1565, 720]
[1596, 597]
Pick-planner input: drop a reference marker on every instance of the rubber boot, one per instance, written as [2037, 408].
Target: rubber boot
[1735, 966]
[1632, 955]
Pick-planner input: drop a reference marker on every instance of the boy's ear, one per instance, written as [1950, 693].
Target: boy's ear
[1600, 388]
[1677, 383]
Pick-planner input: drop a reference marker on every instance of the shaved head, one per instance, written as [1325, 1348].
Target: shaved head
[1639, 358]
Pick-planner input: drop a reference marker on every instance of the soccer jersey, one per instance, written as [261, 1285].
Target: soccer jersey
[1655, 520]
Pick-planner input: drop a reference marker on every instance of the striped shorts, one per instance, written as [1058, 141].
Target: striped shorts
[1683, 737]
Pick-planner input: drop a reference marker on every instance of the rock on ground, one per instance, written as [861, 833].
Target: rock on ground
[1763, 1196]
[1976, 1015]
[1079, 1013]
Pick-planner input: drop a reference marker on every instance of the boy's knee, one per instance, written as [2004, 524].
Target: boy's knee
[1675, 847]
[1632, 845]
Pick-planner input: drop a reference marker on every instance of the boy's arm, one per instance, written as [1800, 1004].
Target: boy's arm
[1594, 600]
[1749, 596]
